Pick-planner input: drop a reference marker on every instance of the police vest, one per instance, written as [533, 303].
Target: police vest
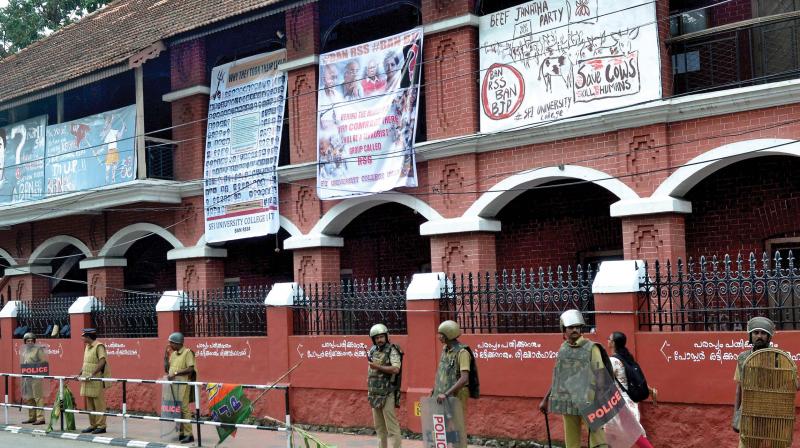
[379, 384]
[449, 371]
[573, 379]
[93, 389]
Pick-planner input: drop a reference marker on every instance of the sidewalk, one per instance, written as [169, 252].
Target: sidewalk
[150, 431]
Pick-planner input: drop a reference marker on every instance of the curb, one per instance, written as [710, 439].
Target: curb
[112, 441]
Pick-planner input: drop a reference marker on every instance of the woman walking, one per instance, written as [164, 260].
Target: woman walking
[620, 356]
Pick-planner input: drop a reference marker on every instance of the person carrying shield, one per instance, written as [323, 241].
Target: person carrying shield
[95, 365]
[182, 367]
[385, 362]
[578, 367]
[33, 360]
[765, 377]
[453, 375]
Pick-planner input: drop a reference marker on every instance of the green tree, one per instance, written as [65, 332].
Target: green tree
[24, 21]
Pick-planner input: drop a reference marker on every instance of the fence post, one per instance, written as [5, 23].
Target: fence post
[8, 322]
[280, 325]
[616, 299]
[168, 309]
[422, 303]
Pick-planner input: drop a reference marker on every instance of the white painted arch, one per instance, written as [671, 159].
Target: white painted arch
[52, 246]
[120, 242]
[7, 258]
[679, 183]
[491, 202]
[338, 217]
[285, 223]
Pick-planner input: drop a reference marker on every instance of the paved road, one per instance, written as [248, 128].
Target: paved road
[29, 441]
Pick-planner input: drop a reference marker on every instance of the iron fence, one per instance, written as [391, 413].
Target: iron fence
[126, 316]
[753, 54]
[160, 164]
[714, 295]
[351, 307]
[229, 311]
[518, 301]
[46, 318]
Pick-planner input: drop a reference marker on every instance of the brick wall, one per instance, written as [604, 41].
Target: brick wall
[255, 262]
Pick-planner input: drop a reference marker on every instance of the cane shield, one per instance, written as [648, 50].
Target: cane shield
[170, 409]
[768, 396]
[441, 422]
[33, 361]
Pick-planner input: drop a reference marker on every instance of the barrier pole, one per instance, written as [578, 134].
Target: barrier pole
[197, 413]
[124, 409]
[5, 408]
[288, 418]
[61, 400]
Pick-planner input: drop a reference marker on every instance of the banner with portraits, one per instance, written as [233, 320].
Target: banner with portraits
[91, 152]
[245, 121]
[367, 116]
[22, 151]
[543, 61]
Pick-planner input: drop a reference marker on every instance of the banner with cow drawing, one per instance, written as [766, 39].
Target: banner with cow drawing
[546, 60]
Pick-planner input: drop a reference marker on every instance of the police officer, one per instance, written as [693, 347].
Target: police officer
[95, 365]
[573, 377]
[32, 387]
[182, 367]
[385, 362]
[452, 376]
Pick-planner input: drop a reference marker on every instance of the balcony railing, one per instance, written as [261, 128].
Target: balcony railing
[160, 154]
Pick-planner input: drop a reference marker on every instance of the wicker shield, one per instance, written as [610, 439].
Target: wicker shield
[768, 393]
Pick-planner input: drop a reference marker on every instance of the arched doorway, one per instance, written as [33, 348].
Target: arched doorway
[259, 261]
[148, 269]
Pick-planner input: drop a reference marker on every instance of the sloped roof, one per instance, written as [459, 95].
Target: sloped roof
[109, 37]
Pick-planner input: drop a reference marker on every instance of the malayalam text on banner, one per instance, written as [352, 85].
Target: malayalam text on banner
[245, 120]
[367, 116]
[547, 60]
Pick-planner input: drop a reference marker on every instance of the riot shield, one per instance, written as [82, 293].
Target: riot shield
[33, 361]
[623, 430]
[768, 396]
[442, 424]
[171, 401]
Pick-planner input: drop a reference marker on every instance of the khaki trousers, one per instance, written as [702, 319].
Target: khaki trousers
[35, 414]
[386, 424]
[572, 433]
[97, 404]
[186, 428]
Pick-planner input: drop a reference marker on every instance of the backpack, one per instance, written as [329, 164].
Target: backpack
[398, 379]
[637, 388]
[474, 385]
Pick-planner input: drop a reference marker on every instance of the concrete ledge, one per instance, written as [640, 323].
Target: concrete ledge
[83, 305]
[185, 93]
[311, 241]
[294, 64]
[204, 251]
[650, 206]
[282, 294]
[459, 225]
[427, 286]
[170, 301]
[103, 262]
[11, 309]
[25, 269]
[619, 276]
[451, 24]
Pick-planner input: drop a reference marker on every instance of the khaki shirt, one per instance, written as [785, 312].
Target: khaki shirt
[181, 360]
[92, 355]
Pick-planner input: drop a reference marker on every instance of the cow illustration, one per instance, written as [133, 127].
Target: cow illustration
[611, 44]
[555, 66]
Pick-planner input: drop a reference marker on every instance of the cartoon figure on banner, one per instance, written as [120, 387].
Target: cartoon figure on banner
[582, 8]
[556, 66]
[80, 131]
[220, 81]
[111, 139]
[373, 83]
[613, 44]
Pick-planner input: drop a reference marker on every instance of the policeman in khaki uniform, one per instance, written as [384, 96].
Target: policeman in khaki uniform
[181, 367]
[95, 365]
[573, 380]
[32, 387]
[452, 376]
[382, 392]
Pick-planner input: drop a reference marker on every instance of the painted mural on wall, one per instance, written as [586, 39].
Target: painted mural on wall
[547, 60]
[243, 140]
[22, 151]
[367, 116]
[91, 152]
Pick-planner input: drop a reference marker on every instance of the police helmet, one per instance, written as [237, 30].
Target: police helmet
[176, 338]
[29, 335]
[570, 318]
[450, 329]
[760, 323]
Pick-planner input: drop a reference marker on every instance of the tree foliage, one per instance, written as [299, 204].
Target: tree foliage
[24, 21]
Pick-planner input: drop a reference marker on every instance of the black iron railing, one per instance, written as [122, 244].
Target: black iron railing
[517, 301]
[46, 317]
[720, 295]
[756, 53]
[126, 316]
[160, 160]
[351, 307]
[230, 311]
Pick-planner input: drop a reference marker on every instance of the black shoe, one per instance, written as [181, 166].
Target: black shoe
[28, 421]
[187, 439]
[99, 431]
[40, 422]
[88, 430]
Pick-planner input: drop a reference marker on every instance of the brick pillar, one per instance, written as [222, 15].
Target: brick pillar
[80, 317]
[451, 73]
[280, 325]
[317, 265]
[654, 237]
[616, 296]
[458, 253]
[188, 69]
[423, 294]
[105, 281]
[198, 274]
[302, 42]
[27, 286]
[662, 17]
[8, 322]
